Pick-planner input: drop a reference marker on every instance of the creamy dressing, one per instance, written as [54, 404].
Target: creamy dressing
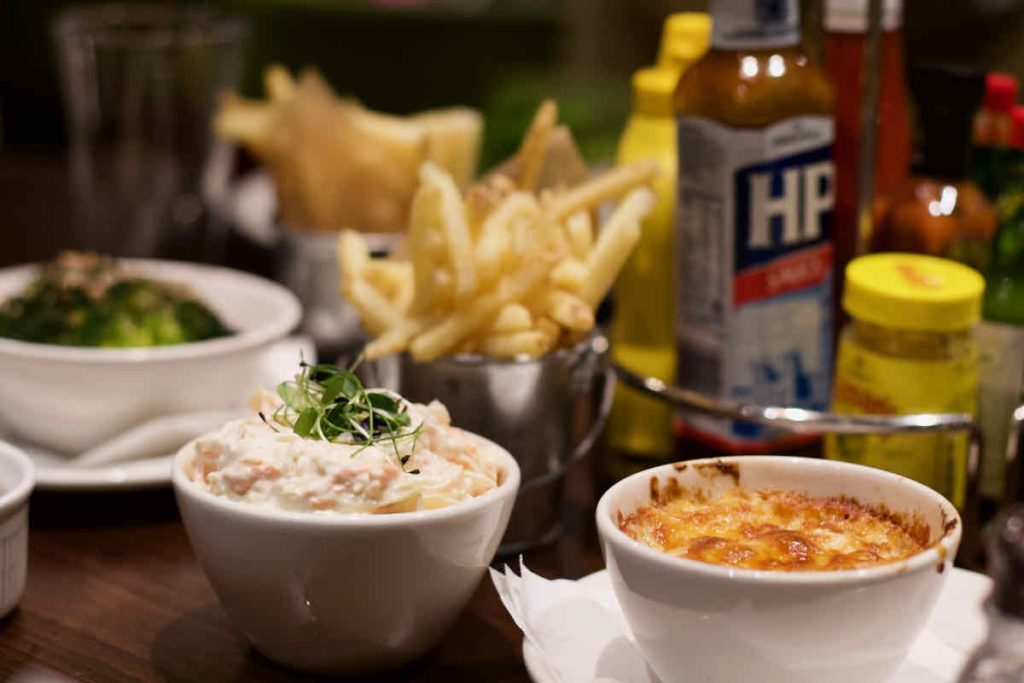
[270, 466]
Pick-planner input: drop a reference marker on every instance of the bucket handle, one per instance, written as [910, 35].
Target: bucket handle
[604, 409]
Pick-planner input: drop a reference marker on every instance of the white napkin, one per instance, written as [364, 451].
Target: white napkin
[579, 631]
[577, 626]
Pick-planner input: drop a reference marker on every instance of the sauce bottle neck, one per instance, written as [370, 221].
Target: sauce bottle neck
[754, 24]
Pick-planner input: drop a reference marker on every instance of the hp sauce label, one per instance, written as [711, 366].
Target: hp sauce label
[754, 263]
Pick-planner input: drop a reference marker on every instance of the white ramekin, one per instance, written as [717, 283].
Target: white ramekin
[16, 482]
[99, 392]
[695, 621]
[344, 594]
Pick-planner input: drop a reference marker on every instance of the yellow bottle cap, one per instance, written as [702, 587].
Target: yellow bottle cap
[685, 37]
[653, 89]
[913, 292]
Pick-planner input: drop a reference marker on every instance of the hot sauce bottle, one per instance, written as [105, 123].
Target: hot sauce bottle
[753, 226]
[1001, 333]
[993, 124]
[992, 133]
[940, 211]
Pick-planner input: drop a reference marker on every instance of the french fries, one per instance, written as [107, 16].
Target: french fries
[455, 227]
[535, 145]
[339, 165]
[511, 318]
[278, 83]
[611, 185]
[510, 268]
[615, 244]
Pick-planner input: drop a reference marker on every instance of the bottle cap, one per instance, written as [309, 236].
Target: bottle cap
[754, 24]
[653, 89]
[684, 39]
[851, 16]
[913, 292]
[1006, 561]
[1017, 115]
[947, 98]
[1000, 91]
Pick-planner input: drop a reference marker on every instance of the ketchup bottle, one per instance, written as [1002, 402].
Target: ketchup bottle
[846, 25]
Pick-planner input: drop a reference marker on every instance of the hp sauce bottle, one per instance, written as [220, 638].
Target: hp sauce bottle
[753, 257]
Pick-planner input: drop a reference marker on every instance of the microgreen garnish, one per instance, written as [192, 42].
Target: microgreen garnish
[331, 404]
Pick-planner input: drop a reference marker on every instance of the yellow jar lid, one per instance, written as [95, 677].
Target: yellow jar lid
[913, 292]
[653, 89]
[685, 37]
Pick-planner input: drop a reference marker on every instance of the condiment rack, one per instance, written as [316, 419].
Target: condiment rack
[802, 421]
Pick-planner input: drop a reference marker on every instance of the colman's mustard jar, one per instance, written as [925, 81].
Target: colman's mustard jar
[908, 348]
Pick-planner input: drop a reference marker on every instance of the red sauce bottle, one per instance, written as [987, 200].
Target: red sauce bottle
[846, 24]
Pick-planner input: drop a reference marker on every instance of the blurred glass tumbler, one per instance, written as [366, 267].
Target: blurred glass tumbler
[546, 412]
[140, 86]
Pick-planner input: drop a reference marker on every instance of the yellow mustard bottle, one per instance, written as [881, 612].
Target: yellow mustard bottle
[640, 428]
[909, 348]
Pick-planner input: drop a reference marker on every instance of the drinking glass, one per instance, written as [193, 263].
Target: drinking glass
[140, 84]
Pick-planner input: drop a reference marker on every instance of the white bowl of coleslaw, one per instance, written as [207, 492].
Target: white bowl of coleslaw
[326, 555]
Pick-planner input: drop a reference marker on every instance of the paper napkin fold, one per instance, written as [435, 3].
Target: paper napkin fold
[576, 626]
[579, 630]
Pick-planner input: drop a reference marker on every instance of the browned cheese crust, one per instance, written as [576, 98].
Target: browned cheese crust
[775, 530]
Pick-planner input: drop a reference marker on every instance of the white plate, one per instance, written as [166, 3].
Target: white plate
[53, 473]
[958, 624]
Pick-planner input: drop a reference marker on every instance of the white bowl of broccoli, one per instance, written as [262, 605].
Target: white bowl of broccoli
[89, 348]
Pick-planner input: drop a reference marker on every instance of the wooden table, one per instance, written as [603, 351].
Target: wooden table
[115, 594]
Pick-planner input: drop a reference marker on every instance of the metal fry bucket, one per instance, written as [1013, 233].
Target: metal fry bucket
[546, 412]
[310, 269]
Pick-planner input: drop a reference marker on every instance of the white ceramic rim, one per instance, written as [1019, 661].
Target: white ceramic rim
[16, 497]
[507, 489]
[287, 317]
[932, 556]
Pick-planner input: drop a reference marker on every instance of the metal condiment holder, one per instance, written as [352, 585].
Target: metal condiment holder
[802, 421]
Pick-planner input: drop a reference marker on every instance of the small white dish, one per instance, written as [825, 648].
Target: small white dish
[16, 481]
[69, 399]
[956, 627]
[710, 622]
[334, 593]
